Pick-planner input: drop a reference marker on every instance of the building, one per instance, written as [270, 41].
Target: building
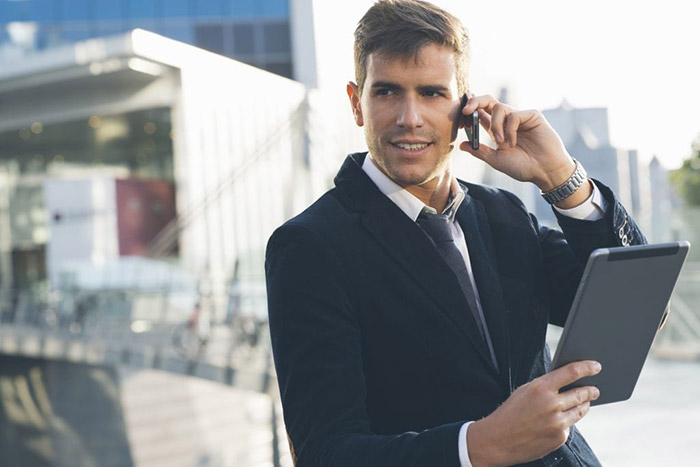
[225, 143]
[666, 207]
[90, 108]
[256, 32]
[585, 133]
[197, 137]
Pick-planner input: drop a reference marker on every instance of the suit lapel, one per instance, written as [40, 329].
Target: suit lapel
[410, 247]
[413, 251]
[471, 216]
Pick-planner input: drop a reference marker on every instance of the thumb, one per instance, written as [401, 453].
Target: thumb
[484, 153]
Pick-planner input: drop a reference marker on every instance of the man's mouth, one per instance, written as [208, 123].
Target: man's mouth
[412, 146]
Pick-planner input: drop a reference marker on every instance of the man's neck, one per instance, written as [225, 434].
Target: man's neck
[434, 193]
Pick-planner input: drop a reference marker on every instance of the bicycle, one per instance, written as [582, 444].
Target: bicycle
[190, 338]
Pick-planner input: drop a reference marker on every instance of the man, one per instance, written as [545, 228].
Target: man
[408, 310]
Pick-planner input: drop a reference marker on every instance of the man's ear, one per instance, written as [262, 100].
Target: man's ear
[354, 95]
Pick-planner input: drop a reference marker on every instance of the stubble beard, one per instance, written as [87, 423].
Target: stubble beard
[405, 175]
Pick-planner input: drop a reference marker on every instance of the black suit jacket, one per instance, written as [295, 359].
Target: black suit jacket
[378, 357]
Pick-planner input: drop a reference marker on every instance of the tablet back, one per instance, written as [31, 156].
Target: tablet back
[616, 313]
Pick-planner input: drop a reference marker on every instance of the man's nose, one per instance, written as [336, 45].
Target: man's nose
[409, 114]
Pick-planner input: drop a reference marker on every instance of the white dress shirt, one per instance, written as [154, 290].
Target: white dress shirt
[591, 209]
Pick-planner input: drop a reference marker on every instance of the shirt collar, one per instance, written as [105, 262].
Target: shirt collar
[408, 203]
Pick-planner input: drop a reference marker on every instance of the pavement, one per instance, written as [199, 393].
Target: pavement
[658, 426]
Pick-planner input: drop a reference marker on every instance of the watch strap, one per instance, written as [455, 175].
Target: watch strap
[569, 187]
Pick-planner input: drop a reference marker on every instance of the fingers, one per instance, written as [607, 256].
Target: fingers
[484, 102]
[510, 128]
[498, 117]
[575, 414]
[493, 116]
[485, 153]
[485, 121]
[500, 120]
[578, 396]
[572, 372]
[536, 418]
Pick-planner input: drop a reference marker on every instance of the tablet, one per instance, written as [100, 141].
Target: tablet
[616, 313]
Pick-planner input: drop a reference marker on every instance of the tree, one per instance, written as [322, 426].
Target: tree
[686, 180]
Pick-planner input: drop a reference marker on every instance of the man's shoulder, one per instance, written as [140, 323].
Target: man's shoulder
[323, 217]
[318, 213]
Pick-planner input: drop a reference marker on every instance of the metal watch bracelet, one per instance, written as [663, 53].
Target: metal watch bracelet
[567, 188]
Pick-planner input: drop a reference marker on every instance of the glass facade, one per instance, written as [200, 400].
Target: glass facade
[131, 145]
[256, 32]
[138, 143]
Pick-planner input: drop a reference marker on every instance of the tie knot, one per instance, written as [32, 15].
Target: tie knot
[437, 226]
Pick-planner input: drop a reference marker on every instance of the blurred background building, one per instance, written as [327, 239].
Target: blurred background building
[140, 177]
[250, 31]
[148, 148]
[138, 145]
[586, 135]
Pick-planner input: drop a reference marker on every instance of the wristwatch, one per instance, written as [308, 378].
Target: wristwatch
[569, 187]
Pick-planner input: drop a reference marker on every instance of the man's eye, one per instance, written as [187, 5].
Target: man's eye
[384, 92]
[432, 93]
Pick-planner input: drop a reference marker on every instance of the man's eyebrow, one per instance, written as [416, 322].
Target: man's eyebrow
[433, 87]
[423, 88]
[386, 85]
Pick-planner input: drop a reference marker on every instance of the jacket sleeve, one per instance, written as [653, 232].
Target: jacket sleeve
[616, 228]
[566, 251]
[317, 345]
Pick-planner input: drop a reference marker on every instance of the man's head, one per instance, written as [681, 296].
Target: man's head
[411, 60]
[401, 28]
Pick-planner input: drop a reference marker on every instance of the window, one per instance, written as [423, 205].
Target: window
[43, 11]
[243, 39]
[209, 8]
[275, 8]
[15, 11]
[277, 37]
[178, 30]
[142, 9]
[281, 68]
[250, 60]
[108, 10]
[210, 37]
[75, 10]
[176, 9]
[244, 8]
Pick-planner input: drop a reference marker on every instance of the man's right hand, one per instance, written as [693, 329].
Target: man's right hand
[534, 420]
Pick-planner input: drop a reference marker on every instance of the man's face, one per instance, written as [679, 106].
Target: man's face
[409, 110]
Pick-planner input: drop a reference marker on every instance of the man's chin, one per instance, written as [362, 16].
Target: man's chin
[409, 179]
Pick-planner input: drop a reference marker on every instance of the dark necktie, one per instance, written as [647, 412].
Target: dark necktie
[437, 226]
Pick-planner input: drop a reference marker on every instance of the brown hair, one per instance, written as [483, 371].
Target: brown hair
[401, 28]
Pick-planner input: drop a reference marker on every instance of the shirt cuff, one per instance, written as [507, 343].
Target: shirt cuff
[590, 210]
[462, 446]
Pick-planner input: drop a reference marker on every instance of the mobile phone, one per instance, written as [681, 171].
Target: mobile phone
[471, 125]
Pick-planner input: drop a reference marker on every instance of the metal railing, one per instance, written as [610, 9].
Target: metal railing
[146, 328]
[680, 338]
[143, 329]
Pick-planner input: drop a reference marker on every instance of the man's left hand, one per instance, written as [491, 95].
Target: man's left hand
[528, 149]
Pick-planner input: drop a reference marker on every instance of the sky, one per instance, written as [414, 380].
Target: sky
[640, 59]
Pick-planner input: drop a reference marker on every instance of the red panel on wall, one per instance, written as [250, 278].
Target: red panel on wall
[144, 208]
